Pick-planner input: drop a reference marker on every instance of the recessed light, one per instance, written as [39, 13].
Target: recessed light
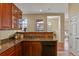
[41, 10]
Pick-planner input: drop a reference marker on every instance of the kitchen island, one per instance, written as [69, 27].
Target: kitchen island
[30, 46]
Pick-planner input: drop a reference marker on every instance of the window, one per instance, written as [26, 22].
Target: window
[39, 25]
[23, 24]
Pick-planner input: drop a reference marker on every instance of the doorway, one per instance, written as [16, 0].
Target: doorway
[54, 25]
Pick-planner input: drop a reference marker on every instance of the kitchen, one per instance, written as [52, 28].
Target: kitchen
[27, 34]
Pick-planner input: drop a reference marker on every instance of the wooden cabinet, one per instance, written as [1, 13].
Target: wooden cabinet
[27, 48]
[8, 16]
[16, 15]
[13, 51]
[0, 14]
[18, 49]
[9, 52]
[49, 48]
[36, 49]
[31, 48]
[39, 48]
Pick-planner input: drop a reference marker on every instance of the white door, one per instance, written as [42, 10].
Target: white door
[77, 37]
[73, 34]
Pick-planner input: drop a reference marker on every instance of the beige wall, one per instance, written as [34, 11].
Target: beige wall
[32, 22]
[73, 8]
[32, 18]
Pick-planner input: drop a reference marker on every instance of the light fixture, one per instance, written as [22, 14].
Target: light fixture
[53, 17]
[41, 10]
[48, 9]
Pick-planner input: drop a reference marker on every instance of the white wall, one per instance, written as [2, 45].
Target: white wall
[6, 33]
[55, 26]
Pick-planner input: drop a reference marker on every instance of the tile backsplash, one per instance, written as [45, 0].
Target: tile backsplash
[6, 33]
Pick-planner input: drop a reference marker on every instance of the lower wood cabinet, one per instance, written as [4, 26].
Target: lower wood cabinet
[36, 49]
[39, 48]
[18, 50]
[27, 49]
[9, 52]
[13, 51]
[12, 54]
[31, 48]
[49, 48]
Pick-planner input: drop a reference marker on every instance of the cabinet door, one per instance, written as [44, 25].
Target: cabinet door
[18, 49]
[16, 15]
[0, 14]
[36, 49]
[19, 14]
[6, 16]
[27, 49]
[14, 11]
[31, 48]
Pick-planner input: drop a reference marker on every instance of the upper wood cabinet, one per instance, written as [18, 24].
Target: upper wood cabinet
[0, 14]
[9, 19]
[16, 15]
[6, 16]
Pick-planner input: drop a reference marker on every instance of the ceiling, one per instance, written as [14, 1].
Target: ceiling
[32, 8]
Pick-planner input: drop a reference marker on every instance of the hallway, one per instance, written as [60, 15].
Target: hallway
[63, 48]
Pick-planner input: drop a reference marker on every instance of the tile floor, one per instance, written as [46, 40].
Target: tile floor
[62, 49]
[64, 53]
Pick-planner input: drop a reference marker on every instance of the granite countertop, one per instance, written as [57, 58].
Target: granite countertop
[8, 45]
